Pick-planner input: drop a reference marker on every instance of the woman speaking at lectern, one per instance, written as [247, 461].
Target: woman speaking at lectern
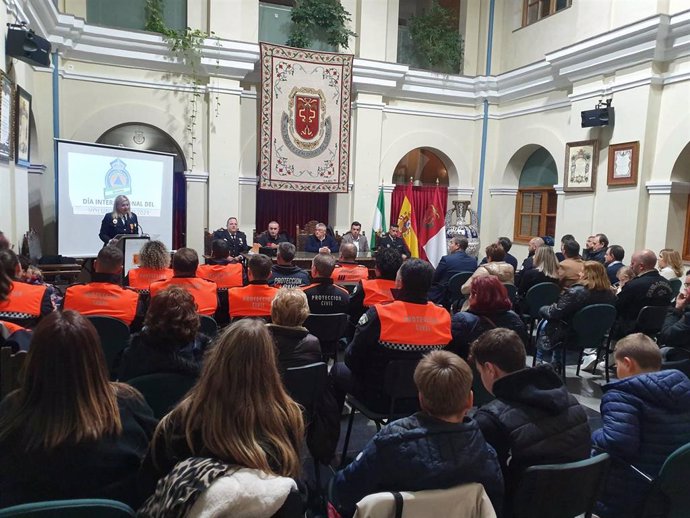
[120, 221]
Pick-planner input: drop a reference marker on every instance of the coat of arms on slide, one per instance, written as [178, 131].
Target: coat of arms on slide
[117, 180]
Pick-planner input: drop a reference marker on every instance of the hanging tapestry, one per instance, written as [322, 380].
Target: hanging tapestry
[305, 119]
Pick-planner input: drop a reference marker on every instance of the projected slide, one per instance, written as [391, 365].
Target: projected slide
[90, 177]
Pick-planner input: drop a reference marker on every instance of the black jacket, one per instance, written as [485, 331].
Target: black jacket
[398, 243]
[598, 256]
[237, 243]
[648, 289]
[676, 329]
[467, 326]
[296, 347]
[533, 420]
[288, 275]
[111, 227]
[530, 278]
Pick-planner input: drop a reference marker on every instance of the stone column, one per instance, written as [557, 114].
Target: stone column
[197, 221]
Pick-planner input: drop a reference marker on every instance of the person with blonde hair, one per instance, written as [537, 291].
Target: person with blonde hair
[670, 264]
[436, 448]
[296, 346]
[545, 269]
[154, 265]
[120, 221]
[68, 432]
[237, 413]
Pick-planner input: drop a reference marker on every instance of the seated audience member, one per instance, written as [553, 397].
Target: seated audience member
[169, 340]
[403, 329]
[436, 448]
[254, 299]
[284, 272]
[507, 244]
[489, 308]
[613, 260]
[374, 291]
[566, 237]
[346, 268]
[496, 266]
[296, 346]
[273, 236]
[154, 265]
[4, 242]
[592, 288]
[570, 268]
[599, 245]
[534, 419]
[528, 263]
[235, 238]
[14, 336]
[624, 275]
[67, 432]
[104, 296]
[20, 303]
[646, 417]
[32, 274]
[589, 244]
[394, 240]
[225, 272]
[322, 295]
[320, 242]
[237, 413]
[545, 269]
[185, 264]
[648, 288]
[457, 261]
[355, 237]
[670, 264]
[676, 329]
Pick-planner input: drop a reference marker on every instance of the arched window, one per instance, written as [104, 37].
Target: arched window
[535, 209]
[423, 166]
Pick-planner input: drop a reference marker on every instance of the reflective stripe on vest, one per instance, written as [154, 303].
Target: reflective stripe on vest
[23, 300]
[377, 291]
[205, 292]
[408, 327]
[224, 275]
[253, 300]
[141, 278]
[350, 273]
[103, 299]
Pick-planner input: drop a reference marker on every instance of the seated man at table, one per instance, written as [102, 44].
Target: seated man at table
[104, 296]
[394, 240]
[220, 268]
[185, 264]
[324, 296]
[346, 268]
[236, 239]
[273, 236]
[436, 448]
[320, 242]
[285, 273]
[254, 299]
[355, 237]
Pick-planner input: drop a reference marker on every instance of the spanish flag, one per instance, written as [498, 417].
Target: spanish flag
[406, 222]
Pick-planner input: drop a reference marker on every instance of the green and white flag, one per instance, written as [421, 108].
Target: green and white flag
[379, 224]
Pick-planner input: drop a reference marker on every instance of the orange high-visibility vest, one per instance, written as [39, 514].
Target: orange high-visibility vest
[253, 300]
[377, 291]
[23, 299]
[224, 275]
[205, 292]
[418, 325]
[11, 327]
[349, 273]
[103, 299]
[141, 278]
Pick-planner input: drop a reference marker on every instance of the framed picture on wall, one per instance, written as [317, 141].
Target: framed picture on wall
[21, 129]
[581, 160]
[6, 118]
[623, 160]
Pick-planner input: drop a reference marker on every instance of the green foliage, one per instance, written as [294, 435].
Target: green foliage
[322, 20]
[437, 42]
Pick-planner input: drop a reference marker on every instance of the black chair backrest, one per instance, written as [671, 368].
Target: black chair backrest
[560, 490]
[512, 291]
[399, 383]
[114, 336]
[591, 324]
[208, 326]
[676, 284]
[306, 383]
[162, 391]
[456, 282]
[650, 320]
[82, 508]
[542, 294]
[669, 496]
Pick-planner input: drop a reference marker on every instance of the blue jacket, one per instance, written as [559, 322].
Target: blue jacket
[448, 266]
[645, 419]
[313, 244]
[417, 453]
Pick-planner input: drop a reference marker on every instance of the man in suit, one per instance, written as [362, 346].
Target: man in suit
[455, 262]
[570, 268]
[355, 237]
[613, 260]
[600, 244]
[507, 244]
[237, 240]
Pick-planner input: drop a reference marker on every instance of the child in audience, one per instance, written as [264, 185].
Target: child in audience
[436, 448]
[646, 417]
[624, 275]
[68, 432]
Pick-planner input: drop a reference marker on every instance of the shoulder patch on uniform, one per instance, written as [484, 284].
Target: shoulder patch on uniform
[363, 320]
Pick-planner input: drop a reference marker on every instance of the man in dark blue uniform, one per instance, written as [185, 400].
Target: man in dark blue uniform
[237, 240]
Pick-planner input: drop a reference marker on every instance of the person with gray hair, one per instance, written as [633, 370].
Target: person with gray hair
[456, 261]
[320, 241]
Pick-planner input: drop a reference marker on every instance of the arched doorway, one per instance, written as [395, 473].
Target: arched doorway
[137, 135]
[424, 166]
[535, 208]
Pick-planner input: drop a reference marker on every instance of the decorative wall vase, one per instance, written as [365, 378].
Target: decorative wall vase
[462, 221]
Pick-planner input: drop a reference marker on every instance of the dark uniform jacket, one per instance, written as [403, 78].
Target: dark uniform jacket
[645, 418]
[265, 239]
[288, 275]
[417, 453]
[398, 243]
[676, 329]
[533, 420]
[648, 289]
[111, 227]
[237, 242]
[325, 297]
